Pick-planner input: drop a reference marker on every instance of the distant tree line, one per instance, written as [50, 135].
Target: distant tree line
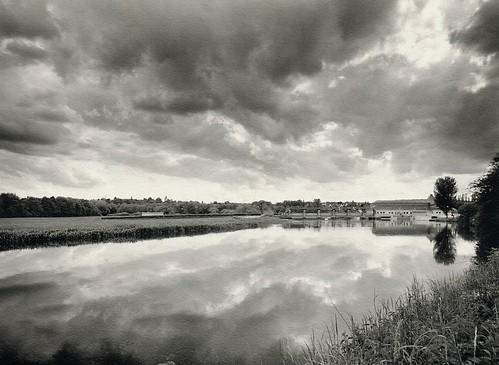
[314, 205]
[13, 206]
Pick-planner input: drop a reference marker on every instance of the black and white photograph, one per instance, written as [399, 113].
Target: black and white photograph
[249, 182]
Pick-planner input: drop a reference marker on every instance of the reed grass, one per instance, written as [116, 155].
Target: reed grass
[51, 232]
[451, 321]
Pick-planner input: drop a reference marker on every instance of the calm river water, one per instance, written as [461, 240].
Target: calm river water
[218, 298]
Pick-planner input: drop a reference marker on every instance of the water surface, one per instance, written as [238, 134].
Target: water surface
[232, 297]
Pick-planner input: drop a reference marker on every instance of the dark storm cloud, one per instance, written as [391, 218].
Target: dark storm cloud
[475, 124]
[482, 33]
[32, 134]
[152, 105]
[183, 104]
[28, 19]
[425, 122]
[192, 104]
[31, 122]
[281, 38]
[12, 291]
[26, 50]
[50, 115]
[467, 120]
[234, 56]
[374, 100]
[359, 18]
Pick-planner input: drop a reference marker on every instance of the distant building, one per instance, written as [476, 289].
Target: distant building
[411, 209]
[152, 214]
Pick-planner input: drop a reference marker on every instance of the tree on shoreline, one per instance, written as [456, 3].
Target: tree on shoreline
[486, 189]
[445, 193]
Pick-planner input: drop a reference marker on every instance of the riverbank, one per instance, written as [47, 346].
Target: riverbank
[20, 233]
[452, 321]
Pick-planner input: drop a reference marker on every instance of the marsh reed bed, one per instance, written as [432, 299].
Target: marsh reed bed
[451, 321]
[20, 233]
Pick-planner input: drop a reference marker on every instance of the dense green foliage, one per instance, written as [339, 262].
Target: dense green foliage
[466, 221]
[445, 193]
[486, 220]
[453, 321]
[13, 206]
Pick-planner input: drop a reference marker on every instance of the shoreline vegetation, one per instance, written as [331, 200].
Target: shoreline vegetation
[28, 233]
[448, 321]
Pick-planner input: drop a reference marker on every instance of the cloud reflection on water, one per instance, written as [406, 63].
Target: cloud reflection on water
[219, 296]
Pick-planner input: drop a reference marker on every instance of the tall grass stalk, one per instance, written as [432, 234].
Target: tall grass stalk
[450, 321]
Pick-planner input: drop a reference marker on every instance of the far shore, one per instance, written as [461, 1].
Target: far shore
[25, 233]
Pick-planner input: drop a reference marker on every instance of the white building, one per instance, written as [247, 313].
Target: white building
[409, 209]
[152, 214]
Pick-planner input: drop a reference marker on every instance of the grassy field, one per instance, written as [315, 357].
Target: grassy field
[452, 321]
[18, 233]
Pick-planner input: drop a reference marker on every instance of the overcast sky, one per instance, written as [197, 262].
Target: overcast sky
[246, 99]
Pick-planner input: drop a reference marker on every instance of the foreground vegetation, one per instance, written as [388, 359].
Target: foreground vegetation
[452, 321]
[18, 233]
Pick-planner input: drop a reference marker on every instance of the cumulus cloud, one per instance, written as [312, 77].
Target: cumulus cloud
[237, 57]
[31, 121]
[26, 19]
[481, 33]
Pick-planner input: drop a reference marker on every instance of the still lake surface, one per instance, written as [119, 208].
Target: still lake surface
[231, 297]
